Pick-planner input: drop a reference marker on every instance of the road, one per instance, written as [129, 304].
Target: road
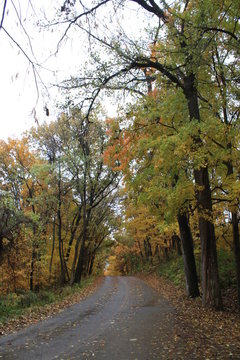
[123, 320]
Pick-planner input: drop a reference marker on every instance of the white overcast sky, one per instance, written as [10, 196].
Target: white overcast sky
[18, 92]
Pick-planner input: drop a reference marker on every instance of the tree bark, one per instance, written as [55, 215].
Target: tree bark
[79, 267]
[140, 250]
[53, 246]
[1, 249]
[188, 256]
[73, 232]
[177, 244]
[157, 253]
[236, 247]
[91, 264]
[149, 249]
[34, 256]
[211, 294]
[63, 266]
[236, 243]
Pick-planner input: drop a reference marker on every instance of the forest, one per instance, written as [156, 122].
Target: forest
[157, 184]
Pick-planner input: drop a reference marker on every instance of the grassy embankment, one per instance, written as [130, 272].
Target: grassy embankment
[173, 269]
[15, 305]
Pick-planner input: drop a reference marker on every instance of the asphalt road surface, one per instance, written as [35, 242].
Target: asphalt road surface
[123, 320]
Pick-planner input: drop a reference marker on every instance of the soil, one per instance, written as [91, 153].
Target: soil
[127, 318]
[216, 334]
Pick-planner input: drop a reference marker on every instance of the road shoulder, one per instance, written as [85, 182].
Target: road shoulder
[215, 335]
[33, 316]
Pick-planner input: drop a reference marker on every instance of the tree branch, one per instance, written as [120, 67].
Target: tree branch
[3, 13]
[154, 9]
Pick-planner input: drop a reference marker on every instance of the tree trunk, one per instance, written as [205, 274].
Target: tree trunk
[236, 247]
[73, 232]
[34, 256]
[211, 294]
[165, 252]
[62, 270]
[91, 264]
[188, 256]
[235, 229]
[140, 250]
[146, 249]
[210, 279]
[79, 267]
[177, 244]
[1, 249]
[149, 249]
[158, 254]
[63, 266]
[53, 246]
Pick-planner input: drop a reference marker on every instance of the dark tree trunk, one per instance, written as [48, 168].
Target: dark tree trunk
[73, 232]
[236, 247]
[149, 249]
[79, 268]
[1, 249]
[177, 244]
[53, 246]
[146, 249]
[235, 230]
[188, 256]
[210, 278]
[140, 250]
[63, 266]
[158, 254]
[32, 268]
[62, 269]
[165, 252]
[80, 263]
[91, 264]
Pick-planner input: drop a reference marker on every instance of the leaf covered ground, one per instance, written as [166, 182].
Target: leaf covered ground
[193, 333]
[210, 334]
[35, 314]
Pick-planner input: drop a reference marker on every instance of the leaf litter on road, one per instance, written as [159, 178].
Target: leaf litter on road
[206, 333]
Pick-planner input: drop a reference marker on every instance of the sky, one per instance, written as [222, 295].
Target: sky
[20, 97]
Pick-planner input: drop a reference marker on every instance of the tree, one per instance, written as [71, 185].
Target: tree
[188, 31]
[153, 156]
[23, 175]
[75, 147]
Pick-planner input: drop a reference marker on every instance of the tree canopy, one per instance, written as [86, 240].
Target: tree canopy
[174, 142]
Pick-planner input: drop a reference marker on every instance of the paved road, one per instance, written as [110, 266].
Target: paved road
[123, 320]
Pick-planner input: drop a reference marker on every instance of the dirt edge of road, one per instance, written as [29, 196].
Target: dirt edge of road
[32, 316]
[215, 329]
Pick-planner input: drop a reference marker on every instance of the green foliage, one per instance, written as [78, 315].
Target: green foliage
[227, 268]
[173, 271]
[15, 304]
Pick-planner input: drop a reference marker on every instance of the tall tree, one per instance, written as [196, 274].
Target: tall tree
[183, 39]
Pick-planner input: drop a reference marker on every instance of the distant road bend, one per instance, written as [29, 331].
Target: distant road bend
[123, 320]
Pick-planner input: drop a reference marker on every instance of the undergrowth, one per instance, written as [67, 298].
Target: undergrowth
[173, 269]
[15, 304]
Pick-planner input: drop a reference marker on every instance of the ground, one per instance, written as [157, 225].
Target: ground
[129, 318]
[216, 334]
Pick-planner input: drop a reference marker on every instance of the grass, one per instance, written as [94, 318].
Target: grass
[14, 305]
[173, 269]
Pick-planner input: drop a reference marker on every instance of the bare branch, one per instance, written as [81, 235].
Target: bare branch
[73, 21]
[22, 26]
[206, 29]
[18, 45]
[154, 9]
[3, 13]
